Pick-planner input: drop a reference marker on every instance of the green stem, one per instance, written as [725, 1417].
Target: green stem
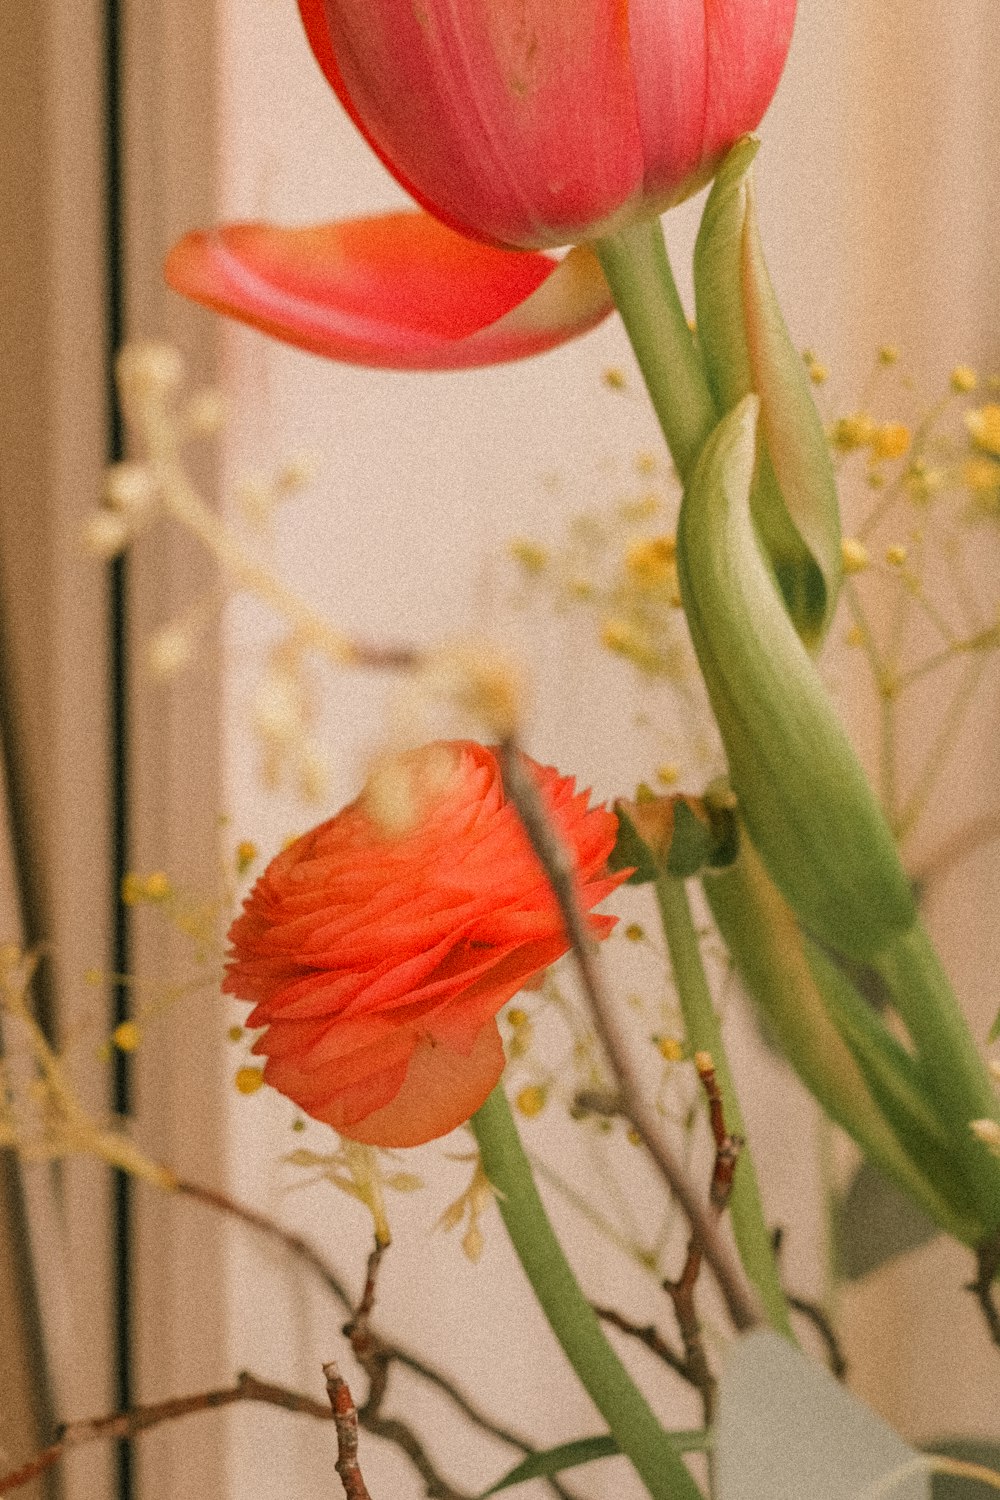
[573, 1321]
[766, 943]
[704, 1034]
[638, 272]
[955, 1074]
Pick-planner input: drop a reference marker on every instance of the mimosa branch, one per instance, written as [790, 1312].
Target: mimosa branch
[740, 1297]
[984, 1289]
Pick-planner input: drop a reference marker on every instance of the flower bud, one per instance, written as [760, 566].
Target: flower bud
[804, 797]
[747, 348]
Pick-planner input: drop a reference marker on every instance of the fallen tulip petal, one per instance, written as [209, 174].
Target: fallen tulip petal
[398, 291]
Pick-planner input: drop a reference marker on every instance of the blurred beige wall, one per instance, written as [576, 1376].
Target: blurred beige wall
[877, 176]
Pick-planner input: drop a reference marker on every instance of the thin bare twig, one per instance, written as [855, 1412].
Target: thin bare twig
[345, 1415]
[740, 1297]
[387, 1351]
[681, 1292]
[983, 1289]
[126, 1424]
[375, 1359]
[819, 1320]
[816, 1316]
[965, 841]
[648, 1335]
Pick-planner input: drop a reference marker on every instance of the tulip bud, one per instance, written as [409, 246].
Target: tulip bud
[747, 348]
[804, 797]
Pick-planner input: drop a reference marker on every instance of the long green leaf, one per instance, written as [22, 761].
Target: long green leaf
[585, 1451]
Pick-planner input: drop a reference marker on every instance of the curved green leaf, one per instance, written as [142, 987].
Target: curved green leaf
[585, 1451]
[788, 1430]
[874, 1223]
[803, 795]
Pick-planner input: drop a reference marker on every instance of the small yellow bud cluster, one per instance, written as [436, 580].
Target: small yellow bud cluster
[640, 508]
[885, 441]
[669, 1048]
[531, 1100]
[147, 368]
[614, 378]
[473, 1203]
[815, 369]
[888, 355]
[248, 1080]
[522, 1032]
[531, 556]
[171, 648]
[963, 380]
[126, 1036]
[896, 555]
[635, 932]
[922, 481]
[477, 679]
[651, 562]
[981, 477]
[127, 504]
[246, 854]
[984, 428]
[139, 889]
[891, 440]
[854, 555]
[235, 1033]
[282, 717]
[854, 431]
[645, 463]
[626, 638]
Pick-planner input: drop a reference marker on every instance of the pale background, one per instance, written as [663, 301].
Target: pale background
[878, 181]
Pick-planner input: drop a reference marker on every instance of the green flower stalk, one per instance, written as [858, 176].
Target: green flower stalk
[573, 1321]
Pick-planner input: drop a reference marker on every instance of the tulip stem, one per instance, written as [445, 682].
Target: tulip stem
[637, 1431]
[637, 270]
[704, 1034]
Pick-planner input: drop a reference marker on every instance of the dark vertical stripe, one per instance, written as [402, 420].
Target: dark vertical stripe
[119, 747]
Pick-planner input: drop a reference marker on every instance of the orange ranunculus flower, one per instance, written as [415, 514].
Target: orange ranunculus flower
[377, 963]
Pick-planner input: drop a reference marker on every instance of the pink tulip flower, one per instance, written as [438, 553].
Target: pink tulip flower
[519, 124]
[545, 122]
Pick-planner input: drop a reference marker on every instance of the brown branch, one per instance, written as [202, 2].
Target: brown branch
[819, 1320]
[383, 1352]
[127, 1424]
[681, 1292]
[816, 1316]
[293, 1243]
[648, 1335]
[375, 1358]
[957, 846]
[345, 1415]
[987, 1265]
[741, 1298]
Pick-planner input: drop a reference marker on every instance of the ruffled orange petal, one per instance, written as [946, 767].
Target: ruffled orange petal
[441, 1090]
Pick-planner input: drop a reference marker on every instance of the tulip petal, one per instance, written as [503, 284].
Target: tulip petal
[397, 291]
[442, 1089]
[513, 121]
